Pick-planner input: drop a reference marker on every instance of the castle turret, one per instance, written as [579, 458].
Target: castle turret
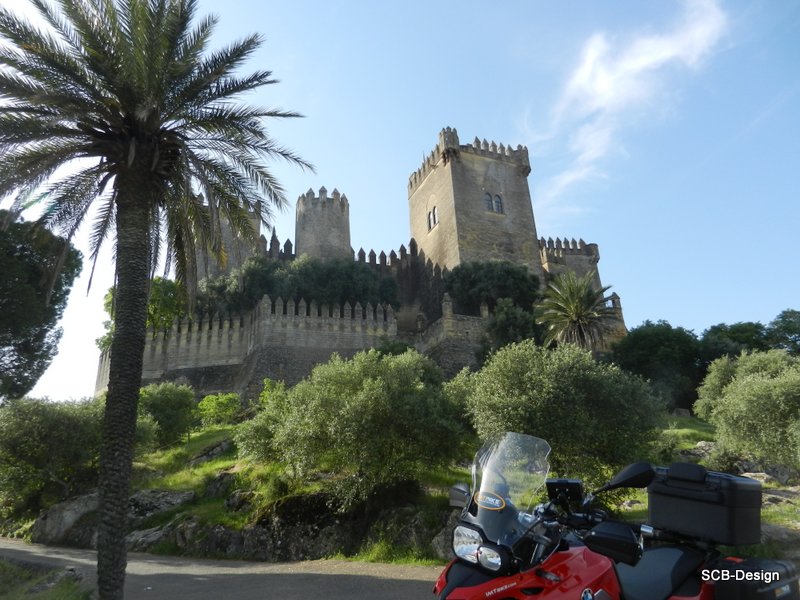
[472, 203]
[322, 225]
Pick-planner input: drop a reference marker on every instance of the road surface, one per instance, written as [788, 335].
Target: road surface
[153, 577]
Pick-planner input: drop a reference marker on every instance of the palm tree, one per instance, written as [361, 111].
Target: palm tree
[575, 311]
[125, 92]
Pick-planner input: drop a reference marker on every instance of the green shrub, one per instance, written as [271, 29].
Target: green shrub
[172, 406]
[471, 284]
[754, 402]
[373, 421]
[254, 437]
[595, 416]
[219, 409]
[49, 450]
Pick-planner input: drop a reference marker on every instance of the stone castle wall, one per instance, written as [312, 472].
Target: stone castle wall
[561, 256]
[466, 203]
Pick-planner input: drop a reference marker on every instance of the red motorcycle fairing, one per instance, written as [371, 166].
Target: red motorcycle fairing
[563, 576]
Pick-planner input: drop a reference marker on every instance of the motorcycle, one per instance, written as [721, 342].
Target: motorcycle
[508, 548]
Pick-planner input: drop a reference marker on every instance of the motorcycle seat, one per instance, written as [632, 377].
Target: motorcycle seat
[659, 573]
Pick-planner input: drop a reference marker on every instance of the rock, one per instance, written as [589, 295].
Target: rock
[442, 542]
[701, 451]
[220, 485]
[147, 503]
[789, 538]
[239, 500]
[54, 525]
[144, 540]
[682, 412]
[782, 473]
[762, 477]
[629, 504]
[212, 452]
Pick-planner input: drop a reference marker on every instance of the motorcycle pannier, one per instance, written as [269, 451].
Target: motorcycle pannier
[716, 507]
[754, 579]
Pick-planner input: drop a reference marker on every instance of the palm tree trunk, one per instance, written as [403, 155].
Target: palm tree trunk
[124, 380]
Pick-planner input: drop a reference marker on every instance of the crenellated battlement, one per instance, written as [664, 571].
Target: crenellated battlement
[310, 201]
[309, 313]
[553, 250]
[467, 202]
[322, 225]
[449, 147]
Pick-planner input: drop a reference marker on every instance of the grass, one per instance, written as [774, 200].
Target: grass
[386, 552]
[687, 431]
[22, 583]
[173, 460]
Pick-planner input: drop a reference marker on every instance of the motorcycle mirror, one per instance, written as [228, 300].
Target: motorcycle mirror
[459, 495]
[637, 475]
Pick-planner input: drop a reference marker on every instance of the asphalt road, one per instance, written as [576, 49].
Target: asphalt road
[169, 578]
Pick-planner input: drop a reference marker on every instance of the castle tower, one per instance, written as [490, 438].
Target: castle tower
[472, 203]
[322, 225]
[236, 249]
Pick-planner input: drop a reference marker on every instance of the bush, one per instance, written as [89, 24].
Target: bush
[374, 420]
[219, 409]
[471, 284]
[172, 406]
[754, 402]
[254, 437]
[48, 451]
[595, 416]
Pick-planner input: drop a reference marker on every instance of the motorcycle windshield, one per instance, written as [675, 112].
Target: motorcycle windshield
[506, 477]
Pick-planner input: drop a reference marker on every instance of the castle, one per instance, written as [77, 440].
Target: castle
[467, 202]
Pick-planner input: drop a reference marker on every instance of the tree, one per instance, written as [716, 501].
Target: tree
[29, 309]
[508, 323]
[595, 416]
[754, 402]
[784, 331]
[125, 93]
[48, 450]
[165, 305]
[374, 420]
[721, 339]
[471, 284]
[219, 409]
[173, 408]
[573, 311]
[668, 356]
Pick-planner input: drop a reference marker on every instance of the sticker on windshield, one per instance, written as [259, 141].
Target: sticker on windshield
[489, 501]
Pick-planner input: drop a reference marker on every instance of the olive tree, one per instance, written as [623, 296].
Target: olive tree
[595, 416]
[374, 420]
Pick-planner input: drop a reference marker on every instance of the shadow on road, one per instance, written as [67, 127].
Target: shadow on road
[169, 578]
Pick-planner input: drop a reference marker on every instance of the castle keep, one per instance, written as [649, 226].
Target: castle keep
[467, 202]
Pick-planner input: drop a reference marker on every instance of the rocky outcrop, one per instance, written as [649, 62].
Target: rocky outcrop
[301, 528]
[53, 526]
[74, 523]
[212, 452]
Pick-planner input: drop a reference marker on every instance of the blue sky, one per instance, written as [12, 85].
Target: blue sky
[666, 132]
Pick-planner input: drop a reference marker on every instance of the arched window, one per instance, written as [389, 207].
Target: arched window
[435, 215]
[489, 204]
[430, 220]
[498, 204]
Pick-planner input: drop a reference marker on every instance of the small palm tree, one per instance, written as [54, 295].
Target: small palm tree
[574, 311]
[125, 93]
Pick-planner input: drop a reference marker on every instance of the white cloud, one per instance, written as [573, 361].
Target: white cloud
[614, 82]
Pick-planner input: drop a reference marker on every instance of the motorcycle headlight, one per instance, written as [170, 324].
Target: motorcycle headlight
[490, 558]
[466, 542]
